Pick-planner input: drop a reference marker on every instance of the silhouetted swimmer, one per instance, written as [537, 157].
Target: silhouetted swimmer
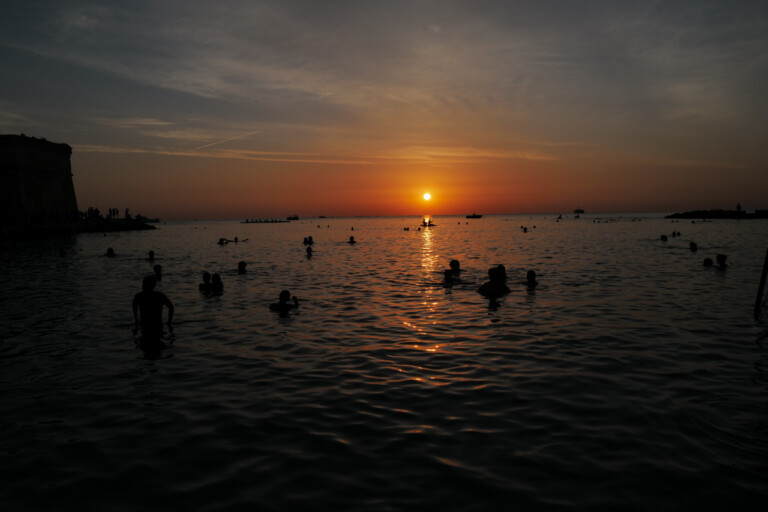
[148, 310]
[721, 260]
[663, 238]
[222, 241]
[158, 270]
[309, 240]
[707, 262]
[455, 267]
[283, 306]
[241, 267]
[496, 286]
[110, 253]
[309, 252]
[217, 286]
[151, 256]
[693, 247]
[530, 279]
[448, 277]
[206, 286]
[306, 241]
[352, 240]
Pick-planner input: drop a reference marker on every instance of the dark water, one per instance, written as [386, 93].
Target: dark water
[631, 378]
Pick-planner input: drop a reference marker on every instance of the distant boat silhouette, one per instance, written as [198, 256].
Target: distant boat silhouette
[578, 210]
[293, 217]
[475, 216]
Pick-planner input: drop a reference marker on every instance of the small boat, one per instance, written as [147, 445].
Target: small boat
[475, 216]
[293, 217]
[578, 210]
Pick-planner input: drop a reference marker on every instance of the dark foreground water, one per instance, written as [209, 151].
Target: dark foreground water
[632, 378]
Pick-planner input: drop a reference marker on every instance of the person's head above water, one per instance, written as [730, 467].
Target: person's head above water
[285, 296]
[455, 265]
[241, 267]
[720, 258]
[110, 252]
[530, 278]
[151, 255]
[206, 277]
[149, 283]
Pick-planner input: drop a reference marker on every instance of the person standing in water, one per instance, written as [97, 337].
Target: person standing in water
[148, 310]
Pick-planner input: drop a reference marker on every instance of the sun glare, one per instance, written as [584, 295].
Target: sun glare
[427, 196]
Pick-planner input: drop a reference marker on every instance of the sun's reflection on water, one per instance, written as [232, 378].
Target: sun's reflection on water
[428, 268]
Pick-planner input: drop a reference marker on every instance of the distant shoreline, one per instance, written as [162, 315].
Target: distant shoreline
[720, 214]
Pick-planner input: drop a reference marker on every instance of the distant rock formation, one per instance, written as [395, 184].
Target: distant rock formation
[37, 196]
[37, 189]
[720, 214]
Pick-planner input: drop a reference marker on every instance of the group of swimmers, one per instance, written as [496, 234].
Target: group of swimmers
[496, 286]
[148, 303]
[693, 246]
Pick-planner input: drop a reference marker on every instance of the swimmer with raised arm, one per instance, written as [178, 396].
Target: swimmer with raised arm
[283, 306]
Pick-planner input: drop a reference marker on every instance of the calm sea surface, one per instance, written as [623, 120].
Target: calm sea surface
[631, 378]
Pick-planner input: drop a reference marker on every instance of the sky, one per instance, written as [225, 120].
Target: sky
[263, 109]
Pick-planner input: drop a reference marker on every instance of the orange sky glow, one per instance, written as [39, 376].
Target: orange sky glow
[268, 109]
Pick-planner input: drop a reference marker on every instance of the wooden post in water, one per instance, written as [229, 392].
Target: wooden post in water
[761, 288]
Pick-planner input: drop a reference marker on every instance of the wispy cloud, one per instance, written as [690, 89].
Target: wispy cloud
[226, 140]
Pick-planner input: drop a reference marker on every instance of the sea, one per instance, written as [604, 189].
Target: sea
[631, 378]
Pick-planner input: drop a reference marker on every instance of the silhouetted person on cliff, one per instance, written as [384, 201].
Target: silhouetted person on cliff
[283, 306]
[148, 310]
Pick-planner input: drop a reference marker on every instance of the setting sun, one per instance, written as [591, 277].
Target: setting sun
[427, 196]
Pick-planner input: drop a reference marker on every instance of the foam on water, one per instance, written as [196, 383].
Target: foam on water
[631, 378]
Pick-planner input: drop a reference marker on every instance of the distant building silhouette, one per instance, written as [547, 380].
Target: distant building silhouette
[37, 183]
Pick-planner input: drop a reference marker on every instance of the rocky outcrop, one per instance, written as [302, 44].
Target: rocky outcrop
[37, 190]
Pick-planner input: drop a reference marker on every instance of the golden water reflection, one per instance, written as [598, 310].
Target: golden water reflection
[429, 264]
